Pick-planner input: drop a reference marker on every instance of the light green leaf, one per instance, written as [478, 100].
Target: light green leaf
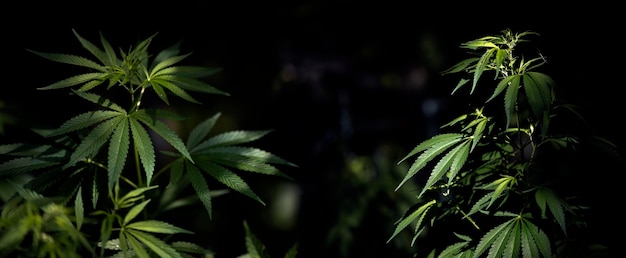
[490, 237]
[79, 209]
[254, 246]
[75, 80]
[510, 100]
[156, 226]
[156, 245]
[438, 144]
[246, 164]
[482, 65]
[70, 59]
[166, 63]
[418, 213]
[134, 211]
[178, 91]
[252, 153]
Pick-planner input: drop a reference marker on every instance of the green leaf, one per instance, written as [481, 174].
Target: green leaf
[133, 195]
[92, 143]
[231, 138]
[156, 245]
[188, 247]
[79, 209]
[509, 81]
[510, 101]
[135, 246]
[118, 151]
[246, 164]
[178, 91]
[162, 130]
[83, 120]
[144, 147]
[93, 49]
[200, 186]
[97, 78]
[166, 63]
[70, 59]
[444, 165]
[433, 147]
[201, 131]
[192, 84]
[102, 101]
[418, 214]
[252, 153]
[230, 179]
[555, 204]
[134, 211]
[25, 165]
[254, 246]
[461, 66]
[537, 87]
[482, 65]
[156, 226]
[490, 237]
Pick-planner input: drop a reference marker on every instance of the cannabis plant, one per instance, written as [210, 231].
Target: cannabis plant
[95, 184]
[493, 189]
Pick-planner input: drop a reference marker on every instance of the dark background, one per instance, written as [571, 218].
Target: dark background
[335, 80]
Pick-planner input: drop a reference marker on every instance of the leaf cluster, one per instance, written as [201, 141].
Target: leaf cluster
[103, 162]
[486, 167]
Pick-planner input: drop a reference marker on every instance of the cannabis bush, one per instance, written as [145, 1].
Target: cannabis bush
[495, 188]
[94, 186]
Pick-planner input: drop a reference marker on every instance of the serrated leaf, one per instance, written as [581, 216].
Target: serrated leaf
[230, 179]
[166, 63]
[418, 213]
[490, 237]
[509, 81]
[93, 49]
[144, 147]
[25, 165]
[443, 166]
[231, 138]
[178, 91]
[246, 164]
[510, 100]
[162, 130]
[83, 120]
[434, 146]
[156, 245]
[70, 59]
[155, 226]
[188, 247]
[461, 66]
[135, 246]
[192, 84]
[482, 65]
[102, 101]
[91, 144]
[254, 246]
[128, 198]
[118, 151]
[555, 204]
[201, 130]
[200, 186]
[252, 153]
[134, 211]
[79, 209]
[98, 78]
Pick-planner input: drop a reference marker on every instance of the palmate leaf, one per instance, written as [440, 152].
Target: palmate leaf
[515, 237]
[228, 178]
[144, 147]
[107, 57]
[178, 91]
[545, 196]
[254, 246]
[118, 151]
[91, 144]
[431, 148]
[201, 187]
[150, 120]
[537, 87]
[418, 214]
[138, 239]
[450, 163]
